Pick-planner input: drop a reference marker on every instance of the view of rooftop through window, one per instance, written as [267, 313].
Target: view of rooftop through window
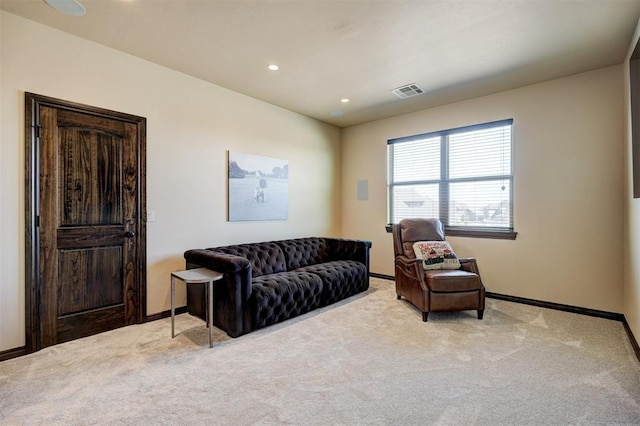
[462, 176]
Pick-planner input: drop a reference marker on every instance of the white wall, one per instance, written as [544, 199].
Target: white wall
[190, 126]
[568, 186]
[631, 307]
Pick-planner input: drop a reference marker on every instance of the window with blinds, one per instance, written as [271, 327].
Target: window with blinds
[462, 176]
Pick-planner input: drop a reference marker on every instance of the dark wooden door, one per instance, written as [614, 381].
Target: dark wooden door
[89, 232]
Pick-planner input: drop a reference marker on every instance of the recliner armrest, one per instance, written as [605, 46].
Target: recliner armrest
[469, 264]
[411, 267]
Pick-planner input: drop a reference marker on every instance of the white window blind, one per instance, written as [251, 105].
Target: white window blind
[462, 176]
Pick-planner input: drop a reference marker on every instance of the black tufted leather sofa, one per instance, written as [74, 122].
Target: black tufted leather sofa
[269, 282]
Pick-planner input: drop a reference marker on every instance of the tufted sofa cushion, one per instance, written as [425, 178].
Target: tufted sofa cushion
[305, 251]
[265, 258]
[340, 279]
[284, 295]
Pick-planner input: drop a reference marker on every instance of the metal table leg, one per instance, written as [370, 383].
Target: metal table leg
[173, 306]
[210, 308]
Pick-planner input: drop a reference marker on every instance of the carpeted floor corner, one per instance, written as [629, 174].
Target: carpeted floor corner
[366, 360]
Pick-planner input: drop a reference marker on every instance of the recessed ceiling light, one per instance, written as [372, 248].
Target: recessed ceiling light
[344, 100]
[70, 7]
[274, 67]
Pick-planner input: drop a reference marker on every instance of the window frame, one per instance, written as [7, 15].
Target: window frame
[444, 181]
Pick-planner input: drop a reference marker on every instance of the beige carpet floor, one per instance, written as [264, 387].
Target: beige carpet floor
[366, 360]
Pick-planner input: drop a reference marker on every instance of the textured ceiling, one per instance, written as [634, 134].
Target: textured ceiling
[358, 49]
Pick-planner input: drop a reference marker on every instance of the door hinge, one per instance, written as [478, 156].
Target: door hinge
[37, 221]
[38, 130]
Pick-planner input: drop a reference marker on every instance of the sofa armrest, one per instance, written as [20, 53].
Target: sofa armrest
[221, 262]
[348, 249]
[233, 297]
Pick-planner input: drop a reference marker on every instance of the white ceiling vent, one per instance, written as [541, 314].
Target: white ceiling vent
[407, 91]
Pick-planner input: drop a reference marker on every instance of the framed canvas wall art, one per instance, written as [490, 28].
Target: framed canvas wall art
[258, 187]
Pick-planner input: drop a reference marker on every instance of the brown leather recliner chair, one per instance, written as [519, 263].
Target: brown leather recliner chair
[439, 289]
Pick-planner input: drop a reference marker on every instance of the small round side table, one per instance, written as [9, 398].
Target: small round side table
[195, 276]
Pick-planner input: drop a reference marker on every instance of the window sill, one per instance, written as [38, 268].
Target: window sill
[474, 233]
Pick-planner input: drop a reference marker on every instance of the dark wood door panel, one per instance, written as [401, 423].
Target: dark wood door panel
[89, 279]
[90, 177]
